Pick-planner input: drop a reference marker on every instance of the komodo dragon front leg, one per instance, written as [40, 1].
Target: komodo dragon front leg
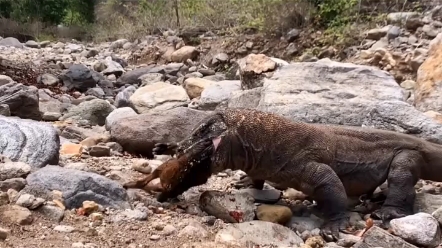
[402, 176]
[323, 185]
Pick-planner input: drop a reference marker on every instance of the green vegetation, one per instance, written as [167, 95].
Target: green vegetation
[111, 19]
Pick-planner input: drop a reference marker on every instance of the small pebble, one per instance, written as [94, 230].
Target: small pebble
[155, 237]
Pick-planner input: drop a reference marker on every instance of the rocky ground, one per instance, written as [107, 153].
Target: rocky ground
[79, 120]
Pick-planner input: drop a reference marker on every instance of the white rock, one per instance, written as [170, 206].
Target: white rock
[421, 229]
[258, 232]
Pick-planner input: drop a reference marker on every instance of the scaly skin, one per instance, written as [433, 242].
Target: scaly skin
[329, 163]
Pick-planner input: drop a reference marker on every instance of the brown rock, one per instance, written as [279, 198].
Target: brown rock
[194, 86]
[252, 69]
[428, 95]
[71, 149]
[184, 53]
[16, 215]
[142, 166]
[99, 151]
[3, 233]
[274, 213]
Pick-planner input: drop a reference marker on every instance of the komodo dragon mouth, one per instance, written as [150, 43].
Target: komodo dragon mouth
[216, 142]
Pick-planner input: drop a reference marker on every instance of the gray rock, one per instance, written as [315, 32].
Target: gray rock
[151, 78]
[76, 186]
[93, 111]
[220, 58]
[21, 99]
[112, 68]
[402, 117]
[47, 103]
[218, 92]
[13, 183]
[9, 170]
[97, 92]
[135, 214]
[427, 203]
[133, 77]
[339, 93]
[393, 32]
[99, 151]
[11, 42]
[122, 98]
[117, 114]
[47, 79]
[264, 196]
[260, 233]
[80, 77]
[377, 237]
[28, 141]
[420, 229]
[221, 205]
[401, 17]
[4, 110]
[5, 80]
[52, 212]
[292, 35]
[302, 224]
[139, 133]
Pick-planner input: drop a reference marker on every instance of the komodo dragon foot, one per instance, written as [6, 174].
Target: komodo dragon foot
[330, 230]
[164, 149]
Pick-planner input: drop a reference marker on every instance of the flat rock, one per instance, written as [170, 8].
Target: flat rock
[94, 112]
[28, 141]
[158, 96]
[232, 208]
[259, 233]
[427, 203]
[76, 186]
[21, 99]
[377, 237]
[218, 92]
[264, 196]
[133, 77]
[9, 170]
[139, 133]
[420, 229]
[16, 215]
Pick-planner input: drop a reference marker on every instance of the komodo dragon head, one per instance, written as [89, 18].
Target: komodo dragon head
[193, 164]
[177, 175]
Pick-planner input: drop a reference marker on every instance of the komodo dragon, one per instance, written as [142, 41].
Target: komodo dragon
[326, 162]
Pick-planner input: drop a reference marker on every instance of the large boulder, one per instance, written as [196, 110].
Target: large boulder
[21, 99]
[332, 92]
[138, 134]
[77, 186]
[28, 141]
[429, 79]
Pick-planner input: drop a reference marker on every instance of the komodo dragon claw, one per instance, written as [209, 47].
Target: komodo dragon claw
[330, 230]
